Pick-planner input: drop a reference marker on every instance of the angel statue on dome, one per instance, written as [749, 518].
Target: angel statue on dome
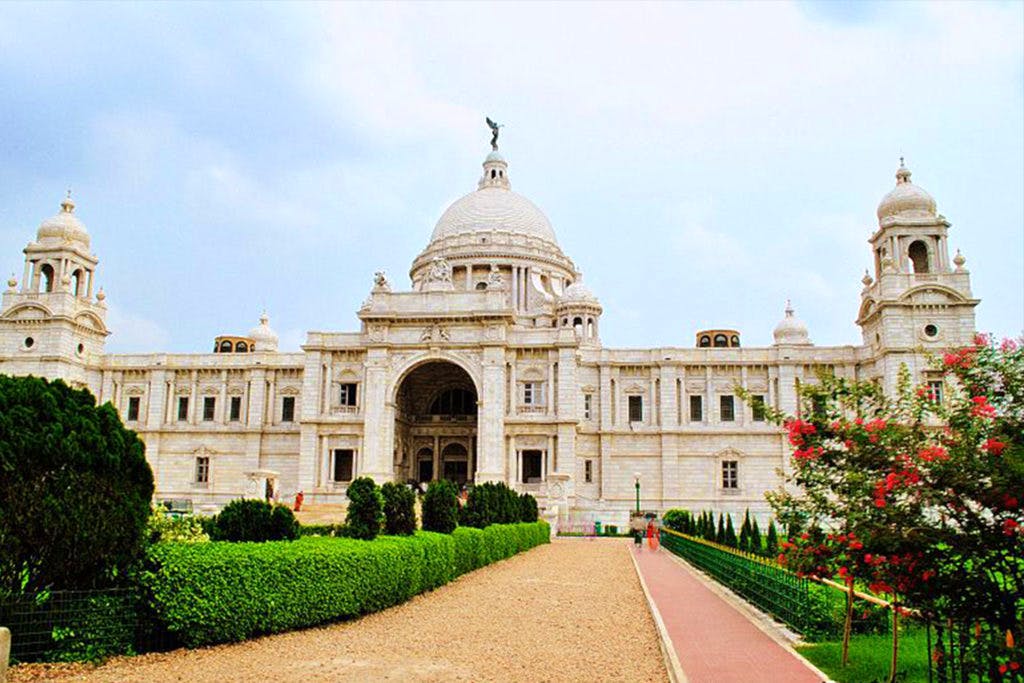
[494, 133]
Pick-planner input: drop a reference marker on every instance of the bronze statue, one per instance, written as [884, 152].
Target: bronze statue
[494, 133]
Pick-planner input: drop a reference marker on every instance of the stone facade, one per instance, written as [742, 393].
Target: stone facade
[490, 368]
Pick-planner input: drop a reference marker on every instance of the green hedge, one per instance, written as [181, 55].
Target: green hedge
[222, 592]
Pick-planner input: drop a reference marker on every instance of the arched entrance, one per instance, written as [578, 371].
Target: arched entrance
[436, 424]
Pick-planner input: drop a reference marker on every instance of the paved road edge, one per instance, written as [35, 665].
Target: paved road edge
[668, 650]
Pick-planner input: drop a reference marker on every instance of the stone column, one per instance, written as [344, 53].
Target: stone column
[377, 458]
[193, 397]
[437, 457]
[491, 422]
[225, 411]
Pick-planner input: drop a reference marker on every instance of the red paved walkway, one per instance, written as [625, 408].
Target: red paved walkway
[715, 643]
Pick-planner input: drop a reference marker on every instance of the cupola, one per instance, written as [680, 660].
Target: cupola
[905, 201]
[791, 331]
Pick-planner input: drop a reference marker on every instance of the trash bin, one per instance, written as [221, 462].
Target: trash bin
[597, 528]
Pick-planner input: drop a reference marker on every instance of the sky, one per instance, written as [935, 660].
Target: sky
[700, 162]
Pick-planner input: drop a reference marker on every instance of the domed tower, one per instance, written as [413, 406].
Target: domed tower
[263, 337]
[918, 299]
[54, 313]
[791, 331]
[579, 310]
[495, 238]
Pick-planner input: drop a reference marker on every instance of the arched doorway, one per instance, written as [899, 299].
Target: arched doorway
[436, 424]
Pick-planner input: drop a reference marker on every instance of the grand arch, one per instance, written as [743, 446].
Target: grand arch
[435, 424]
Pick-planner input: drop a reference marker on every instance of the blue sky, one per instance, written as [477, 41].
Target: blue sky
[701, 163]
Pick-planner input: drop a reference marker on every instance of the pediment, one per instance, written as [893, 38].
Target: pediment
[91, 321]
[932, 294]
[28, 312]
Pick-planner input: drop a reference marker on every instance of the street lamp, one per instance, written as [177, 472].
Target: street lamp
[636, 480]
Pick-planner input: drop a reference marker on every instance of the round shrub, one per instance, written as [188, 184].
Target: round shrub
[399, 509]
[254, 520]
[365, 509]
[527, 508]
[75, 489]
[440, 507]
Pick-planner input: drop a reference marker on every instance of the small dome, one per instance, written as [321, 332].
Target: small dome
[791, 330]
[578, 292]
[906, 200]
[64, 227]
[263, 337]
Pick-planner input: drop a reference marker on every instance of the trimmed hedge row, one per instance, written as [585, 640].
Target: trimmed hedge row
[222, 592]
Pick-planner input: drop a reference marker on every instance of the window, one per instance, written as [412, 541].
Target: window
[757, 405]
[288, 409]
[727, 408]
[182, 408]
[918, 254]
[203, 469]
[696, 408]
[705, 341]
[348, 394]
[935, 391]
[533, 394]
[225, 346]
[636, 408]
[241, 347]
[533, 466]
[721, 341]
[588, 471]
[47, 271]
[931, 330]
[730, 474]
[454, 402]
[588, 405]
[236, 408]
[343, 461]
[133, 408]
[209, 407]
[481, 285]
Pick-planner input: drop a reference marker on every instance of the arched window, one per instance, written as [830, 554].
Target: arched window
[241, 347]
[721, 341]
[481, 285]
[225, 346]
[76, 279]
[454, 402]
[590, 328]
[47, 271]
[735, 341]
[918, 253]
[494, 174]
[705, 341]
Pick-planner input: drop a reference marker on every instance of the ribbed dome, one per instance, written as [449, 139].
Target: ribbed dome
[577, 292]
[791, 330]
[264, 338]
[64, 227]
[906, 199]
[493, 208]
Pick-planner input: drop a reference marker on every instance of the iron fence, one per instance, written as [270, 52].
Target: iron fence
[86, 625]
[762, 582]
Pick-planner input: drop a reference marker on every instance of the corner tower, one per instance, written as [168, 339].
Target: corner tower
[53, 323]
[918, 299]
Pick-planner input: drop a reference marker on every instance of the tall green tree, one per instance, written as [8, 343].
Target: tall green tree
[75, 489]
[441, 507]
[365, 515]
[399, 509]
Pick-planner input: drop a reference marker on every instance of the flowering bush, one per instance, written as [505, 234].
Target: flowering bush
[913, 497]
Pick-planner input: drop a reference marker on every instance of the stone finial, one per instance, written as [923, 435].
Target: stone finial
[100, 296]
[867, 279]
[380, 282]
[12, 283]
[959, 260]
[902, 173]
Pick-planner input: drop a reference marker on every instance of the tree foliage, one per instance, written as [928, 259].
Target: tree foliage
[399, 509]
[365, 515]
[440, 507]
[76, 488]
[254, 520]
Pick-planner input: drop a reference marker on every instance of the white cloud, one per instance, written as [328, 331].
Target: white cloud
[132, 333]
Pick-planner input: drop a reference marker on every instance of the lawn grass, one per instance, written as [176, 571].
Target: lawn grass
[869, 657]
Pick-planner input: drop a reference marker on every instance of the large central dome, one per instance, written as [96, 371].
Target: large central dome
[494, 207]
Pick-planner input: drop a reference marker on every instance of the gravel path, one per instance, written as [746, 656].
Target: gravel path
[569, 611]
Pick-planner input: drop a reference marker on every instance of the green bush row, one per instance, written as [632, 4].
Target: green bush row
[222, 592]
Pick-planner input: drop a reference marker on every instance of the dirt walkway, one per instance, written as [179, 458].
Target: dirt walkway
[569, 611]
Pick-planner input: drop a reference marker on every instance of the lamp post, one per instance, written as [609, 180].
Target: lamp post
[636, 480]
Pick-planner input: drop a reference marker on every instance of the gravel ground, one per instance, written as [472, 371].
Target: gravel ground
[569, 611]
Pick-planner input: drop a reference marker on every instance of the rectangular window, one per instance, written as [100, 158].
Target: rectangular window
[588, 471]
[236, 408]
[533, 466]
[636, 408]
[696, 408]
[588, 404]
[348, 395]
[727, 404]
[182, 408]
[203, 469]
[344, 459]
[209, 407]
[757, 406]
[133, 408]
[730, 474]
[533, 394]
[288, 409]
[935, 391]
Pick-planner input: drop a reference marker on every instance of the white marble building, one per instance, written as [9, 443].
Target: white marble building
[489, 367]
